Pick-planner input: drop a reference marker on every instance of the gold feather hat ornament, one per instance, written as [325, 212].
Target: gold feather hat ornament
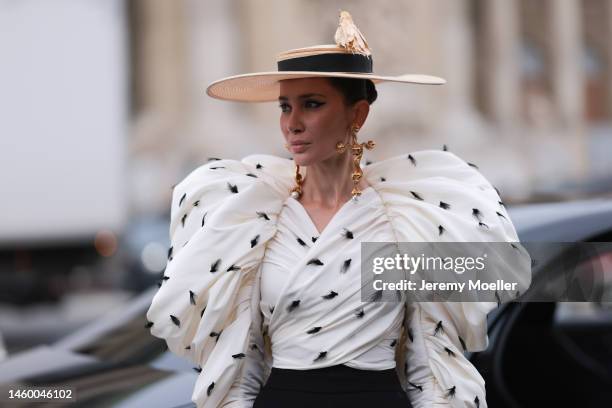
[349, 57]
[349, 36]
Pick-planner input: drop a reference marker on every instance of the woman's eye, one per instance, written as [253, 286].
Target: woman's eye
[313, 104]
[284, 107]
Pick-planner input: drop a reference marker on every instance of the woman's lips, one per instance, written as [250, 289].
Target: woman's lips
[299, 147]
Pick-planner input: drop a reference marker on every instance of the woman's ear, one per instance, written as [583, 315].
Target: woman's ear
[360, 112]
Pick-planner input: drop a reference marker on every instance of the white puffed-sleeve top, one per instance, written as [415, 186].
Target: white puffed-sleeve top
[252, 284]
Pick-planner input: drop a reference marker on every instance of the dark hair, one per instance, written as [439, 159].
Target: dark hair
[355, 89]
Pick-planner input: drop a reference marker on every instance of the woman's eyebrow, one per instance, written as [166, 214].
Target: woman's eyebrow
[304, 96]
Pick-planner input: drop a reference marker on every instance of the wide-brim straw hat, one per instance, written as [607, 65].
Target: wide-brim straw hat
[350, 57]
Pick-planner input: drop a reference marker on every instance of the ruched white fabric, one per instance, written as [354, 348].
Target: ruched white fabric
[247, 287]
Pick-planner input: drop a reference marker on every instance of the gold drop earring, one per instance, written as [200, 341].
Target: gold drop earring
[296, 191]
[357, 150]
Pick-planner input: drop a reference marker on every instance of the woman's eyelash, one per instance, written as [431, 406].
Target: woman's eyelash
[308, 104]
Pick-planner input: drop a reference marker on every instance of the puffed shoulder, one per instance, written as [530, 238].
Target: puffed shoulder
[435, 196]
[222, 215]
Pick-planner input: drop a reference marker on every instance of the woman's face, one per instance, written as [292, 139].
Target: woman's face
[314, 117]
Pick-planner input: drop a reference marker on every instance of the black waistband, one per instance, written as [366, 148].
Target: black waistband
[338, 378]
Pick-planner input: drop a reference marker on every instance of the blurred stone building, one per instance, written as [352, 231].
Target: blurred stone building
[528, 98]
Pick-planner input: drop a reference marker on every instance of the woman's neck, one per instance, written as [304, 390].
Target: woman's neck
[329, 184]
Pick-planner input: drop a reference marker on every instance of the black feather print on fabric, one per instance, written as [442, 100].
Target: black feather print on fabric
[165, 278]
[445, 206]
[345, 265]
[472, 165]
[368, 162]
[197, 369]
[501, 203]
[462, 343]
[315, 261]
[271, 309]
[393, 343]
[477, 401]
[496, 190]
[418, 387]
[238, 355]
[383, 179]
[483, 225]
[412, 160]
[202, 312]
[251, 175]
[450, 393]
[204, 218]
[196, 203]
[347, 234]
[213, 158]
[445, 148]
[233, 268]
[216, 167]
[216, 335]
[170, 253]
[182, 199]
[476, 213]
[441, 230]
[263, 215]
[416, 195]
[210, 388]
[183, 218]
[192, 298]
[148, 325]
[215, 266]
[360, 313]
[331, 295]
[321, 356]
[258, 166]
[449, 352]
[376, 296]
[232, 188]
[175, 320]
[300, 241]
[439, 328]
[314, 239]
[254, 241]
[410, 335]
[501, 215]
[293, 305]
[188, 347]
[514, 246]
[314, 330]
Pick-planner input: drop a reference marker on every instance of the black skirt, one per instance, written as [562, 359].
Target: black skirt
[336, 386]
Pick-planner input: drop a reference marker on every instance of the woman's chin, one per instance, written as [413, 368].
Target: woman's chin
[302, 159]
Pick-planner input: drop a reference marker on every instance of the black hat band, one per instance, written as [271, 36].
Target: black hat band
[328, 63]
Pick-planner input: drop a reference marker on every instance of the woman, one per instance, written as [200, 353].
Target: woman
[263, 290]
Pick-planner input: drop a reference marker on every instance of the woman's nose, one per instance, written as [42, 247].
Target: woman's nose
[295, 122]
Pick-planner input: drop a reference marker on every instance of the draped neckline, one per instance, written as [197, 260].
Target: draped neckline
[364, 193]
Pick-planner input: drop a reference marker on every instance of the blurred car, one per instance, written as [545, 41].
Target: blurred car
[539, 354]
[144, 247]
[554, 354]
